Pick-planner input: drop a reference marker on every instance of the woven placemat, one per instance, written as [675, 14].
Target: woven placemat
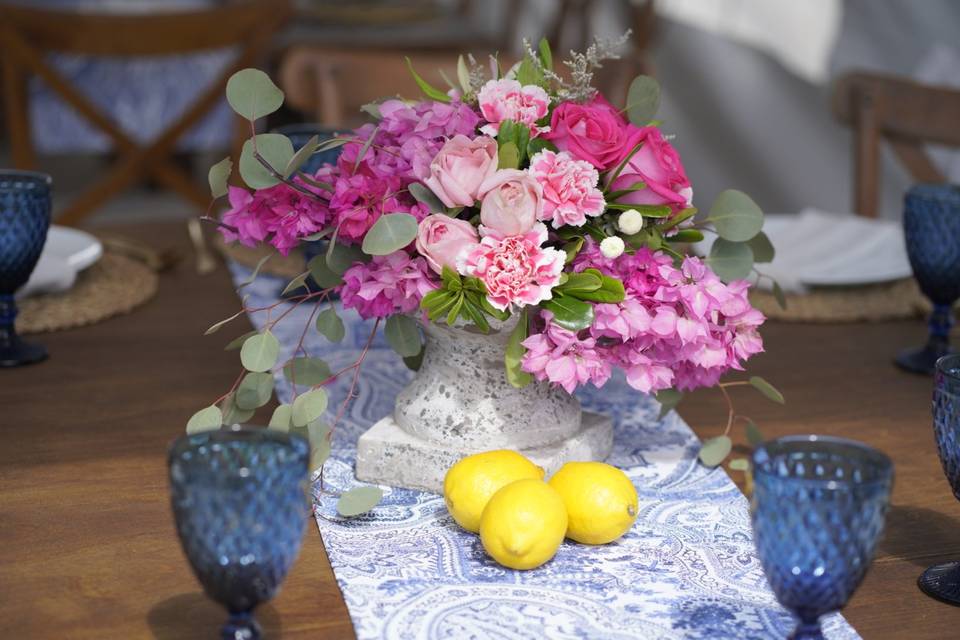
[114, 285]
[289, 266]
[871, 303]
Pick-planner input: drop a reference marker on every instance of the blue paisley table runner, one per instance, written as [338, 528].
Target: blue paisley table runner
[687, 569]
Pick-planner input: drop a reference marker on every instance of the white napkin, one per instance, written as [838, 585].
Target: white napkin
[53, 274]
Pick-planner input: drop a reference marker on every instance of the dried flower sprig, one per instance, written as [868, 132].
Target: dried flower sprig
[582, 66]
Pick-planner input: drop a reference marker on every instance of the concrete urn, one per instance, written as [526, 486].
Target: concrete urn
[460, 403]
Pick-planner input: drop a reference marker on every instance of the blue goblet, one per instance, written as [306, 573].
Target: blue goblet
[931, 224]
[24, 220]
[240, 505]
[942, 581]
[818, 510]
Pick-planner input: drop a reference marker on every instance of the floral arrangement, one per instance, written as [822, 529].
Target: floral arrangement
[521, 194]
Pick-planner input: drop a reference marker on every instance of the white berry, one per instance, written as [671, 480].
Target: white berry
[630, 222]
[612, 247]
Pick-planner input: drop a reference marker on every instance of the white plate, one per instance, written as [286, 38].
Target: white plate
[78, 248]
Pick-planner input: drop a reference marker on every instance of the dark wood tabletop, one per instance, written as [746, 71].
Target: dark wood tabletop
[87, 545]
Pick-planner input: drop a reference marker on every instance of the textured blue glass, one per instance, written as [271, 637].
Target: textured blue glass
[24, 219]
[818, 510]
[240, 503]
[931, 225]
[942, 581]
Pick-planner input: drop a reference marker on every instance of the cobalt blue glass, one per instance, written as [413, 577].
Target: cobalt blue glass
[818, 510]
[942, 581]
[240, 504]
[931, 225]
[24, 220]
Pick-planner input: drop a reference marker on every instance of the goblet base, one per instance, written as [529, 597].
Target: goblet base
[15, 352]
[241, 626]
[807, 631]
[921, 360]
[942, 581]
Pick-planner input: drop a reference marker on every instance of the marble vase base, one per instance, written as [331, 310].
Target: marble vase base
[386, 454]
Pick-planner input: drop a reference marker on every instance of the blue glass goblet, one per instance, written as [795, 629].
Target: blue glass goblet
[24, 220]
[818, 510]
[942, 581]
[931, 224]
[240, 503]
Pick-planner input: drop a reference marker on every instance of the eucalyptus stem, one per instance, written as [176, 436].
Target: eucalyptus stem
[287, 181]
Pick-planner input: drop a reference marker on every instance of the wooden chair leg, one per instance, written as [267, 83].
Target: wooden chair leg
[866, 169]
[17, 114]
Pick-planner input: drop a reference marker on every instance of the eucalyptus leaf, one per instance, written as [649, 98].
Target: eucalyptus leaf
[308, 407]
[403, 335]
[373, 109]
[754, 436]
[421, 193]
[322, 274]
[391, 232]
[259, 352]
[205, 420]
[414, 362]
[570, 313]
[301, 156]
[341, 257]
[740, 464]
[297, 283]
[546, 56]
[730, 260]
[307, 371]
[218, 325]
[779, 295]
[218, 176]
[359, 500]
[715, 450]
[254, 391]
[256, 271]
[330, 326]
[668, 399]
[366, 147]
[237, 342]
[463, 75]
[735, 216]
[428, 90]
[252, 94]
[508, 157]
[767, 389]
[643, 100]
[762, 248]
[319, 455]
[513, 355]
[319, 235]
[232, 414]
[275, 149]
[280, 420]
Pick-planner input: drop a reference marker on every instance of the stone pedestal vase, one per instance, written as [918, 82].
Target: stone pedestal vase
[460, 403]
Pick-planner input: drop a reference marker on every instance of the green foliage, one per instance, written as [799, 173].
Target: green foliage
[537, 145]
[715, 450]
[218, 325]
[735, 216]
[321, 273]
[754, 436]
[573, 248]
[515, 351]
[593, 286]
[373, 109]
[308, 407]
[252, 94]
[256, 271]
[330, 326]
[358, 500]
[403, 335]
[301, 156]
[767, 389]
[232, 414]
[779, 295]
[687, 235]
[307, 371]
[341, 257]
[569, 312]
[414, 362]
[275, 149]
[237, 342]
[508, 157]
[391, 232]
[254, 391]
[463, 76]
[259, 352]
[365, 147]
[298, 282]
[528, 73]
[762, 248]
[218, 176]
[546, 56]
[428, 90]
[280, 420]
[643, 100]
[461, 298]
[740, 464]
[668, 399]
[730, 260]
[421, 193]
[518, 135]
[205, 420]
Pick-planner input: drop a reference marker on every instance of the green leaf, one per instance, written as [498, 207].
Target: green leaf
[687, 235]
[322, 274]
[307, 371]
[205, 420]
[643, 100]
[330, 326]
[218, 325]
[463, 75]
[359, 500]
[319, 455]
[754, 436]
[299, 282]
[454, 311]
[341, 257]
[736, 217]
[668, 399]
[403, 335]
[610, 291]
[373, 109]
[730, 260]
[570, 313]
[428, 90]
[252, 94]
[237, 342]
[509, 156]
[572, 248]
[779, 295]
[513, 355]
[301, 156]
[539, 144]
[391, 232]
[474, 311]
[280, 420]
[715, 450]
[767, 389]
[256, 271]
[218, 175]
[254, 391]
[421, 193]
[259, 352]
[232, 414]
[740, 464]
[366, 147]
[762, 248]
[451, 279]
[546, 57]
[275, 148]
[527, 72]
[413, 362]
[319, 235]
[580, 282]
[308, 407]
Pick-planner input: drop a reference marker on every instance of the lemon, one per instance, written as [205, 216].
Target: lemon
[523, 524]
[471, 482]
[601, 501]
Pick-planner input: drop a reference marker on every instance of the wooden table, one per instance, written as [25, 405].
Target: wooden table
[87, 545]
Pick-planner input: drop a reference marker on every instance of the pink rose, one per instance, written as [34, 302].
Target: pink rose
[506, 100]
[460, 167]
[657, 165]
[594, 132]
[512, 202]
[440, 239]
[570, 192]
[515, 269]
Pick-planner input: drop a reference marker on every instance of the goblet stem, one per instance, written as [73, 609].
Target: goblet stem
[13, 350]
[923, 359]
[808, 630]
[241, 626]
[941, 321]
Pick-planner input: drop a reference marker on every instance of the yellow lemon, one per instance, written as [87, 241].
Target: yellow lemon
[523, 524]
[471, 482]
[601, 501]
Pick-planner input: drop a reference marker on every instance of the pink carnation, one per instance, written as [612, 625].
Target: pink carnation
[502, 100]
[570, 192]
[560, 356]
[515, 269]
[386, 285]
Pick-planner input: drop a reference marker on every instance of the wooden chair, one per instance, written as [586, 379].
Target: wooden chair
[902, 112]
[27, 35]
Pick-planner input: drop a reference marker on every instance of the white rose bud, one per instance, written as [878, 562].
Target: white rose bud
[630, 222]
[612, 247]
